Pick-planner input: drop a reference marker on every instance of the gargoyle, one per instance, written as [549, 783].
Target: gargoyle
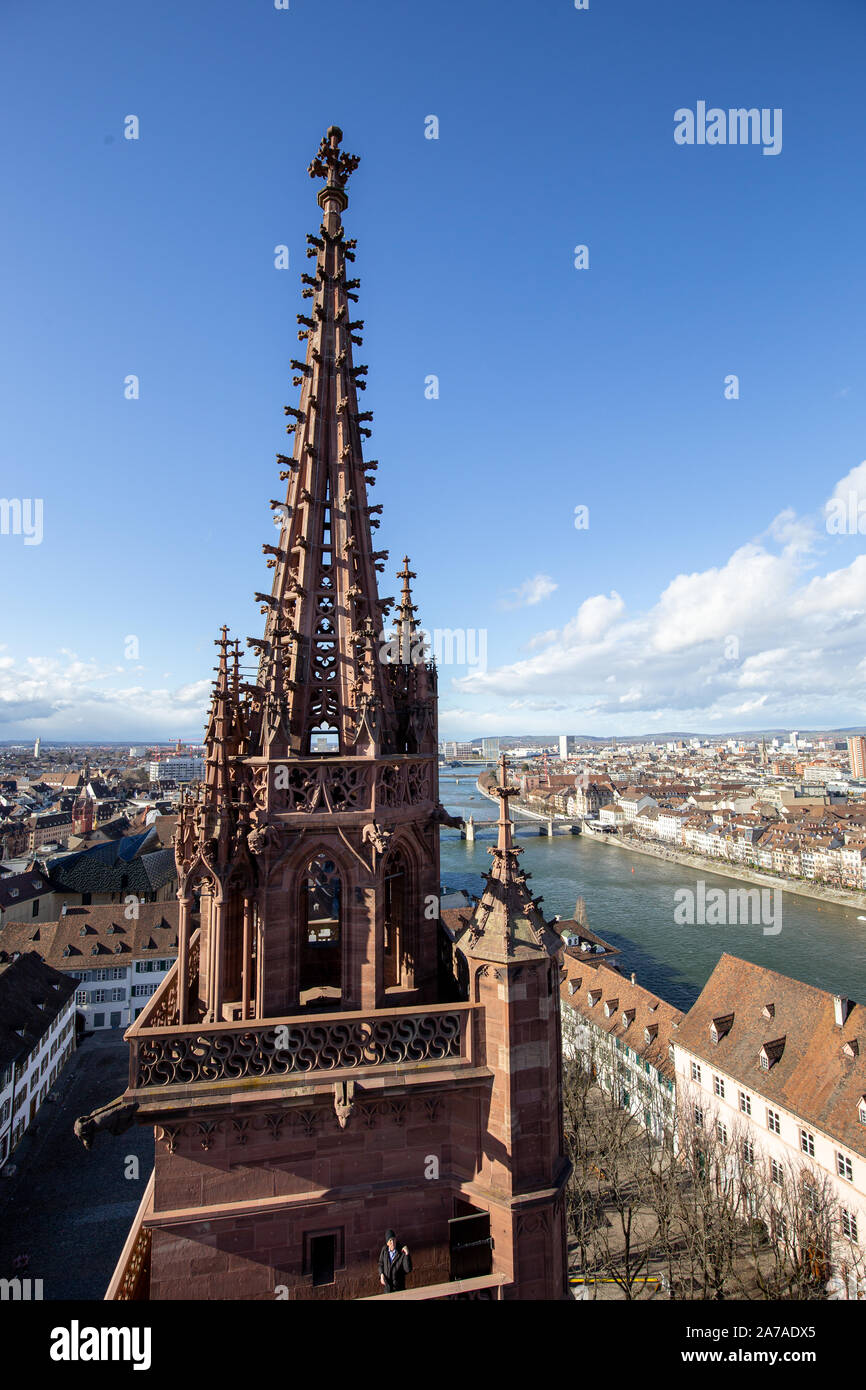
[377, 836]
[344, 1101]
[262, 838]
[443, 817]
[116, 1118]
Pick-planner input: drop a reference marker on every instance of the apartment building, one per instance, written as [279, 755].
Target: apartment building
[777, 1069]
[116, 961]
[37, 1036]
[621, 1032]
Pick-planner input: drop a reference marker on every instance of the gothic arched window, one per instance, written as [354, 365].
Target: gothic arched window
[399, 934]
[321, 913]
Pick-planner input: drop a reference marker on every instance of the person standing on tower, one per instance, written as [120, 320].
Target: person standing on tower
[394, 1264]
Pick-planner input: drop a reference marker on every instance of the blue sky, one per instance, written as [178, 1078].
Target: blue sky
[706, 593]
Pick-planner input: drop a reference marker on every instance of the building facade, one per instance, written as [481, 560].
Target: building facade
[775, 1070]
[37, 1037]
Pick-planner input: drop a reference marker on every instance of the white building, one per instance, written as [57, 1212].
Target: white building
[623, 1032]
[177, 769]
[777, 1069]
[37, 1035]
[117, 962]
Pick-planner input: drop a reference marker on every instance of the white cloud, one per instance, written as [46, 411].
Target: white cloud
[531, 591]
[758, 637]
[55, 694]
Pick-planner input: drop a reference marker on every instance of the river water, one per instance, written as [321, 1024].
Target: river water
[630, 903]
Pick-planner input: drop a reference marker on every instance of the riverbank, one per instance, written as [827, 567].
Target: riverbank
[845, 897]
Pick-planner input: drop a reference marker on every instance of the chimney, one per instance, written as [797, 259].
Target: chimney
[63, 909]
[633, 978]
[841, 1009]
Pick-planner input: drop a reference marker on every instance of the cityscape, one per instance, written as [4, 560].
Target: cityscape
[331, 967]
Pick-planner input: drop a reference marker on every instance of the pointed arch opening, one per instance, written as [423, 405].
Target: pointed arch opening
[321, 932]
[399, 924]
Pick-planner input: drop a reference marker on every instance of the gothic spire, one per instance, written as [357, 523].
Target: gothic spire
[324, 595]
[406, 610]
[507, 921]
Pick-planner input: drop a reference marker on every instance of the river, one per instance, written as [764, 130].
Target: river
[630, 903]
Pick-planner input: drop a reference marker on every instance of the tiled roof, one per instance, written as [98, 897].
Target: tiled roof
[21, 888]
[812, 1076]
[109, 868]
[85, 937]
[31, 997]
[650, 1020]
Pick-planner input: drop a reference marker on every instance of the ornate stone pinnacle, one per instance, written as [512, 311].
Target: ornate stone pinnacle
[333, 164]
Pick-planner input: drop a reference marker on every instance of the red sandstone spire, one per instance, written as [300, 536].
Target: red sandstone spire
[406, 625]
[324, 594]
[507, 920]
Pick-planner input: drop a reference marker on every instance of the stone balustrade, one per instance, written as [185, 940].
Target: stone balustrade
[299, 1045]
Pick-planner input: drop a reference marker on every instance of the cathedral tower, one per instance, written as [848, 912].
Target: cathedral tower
[328, 1059]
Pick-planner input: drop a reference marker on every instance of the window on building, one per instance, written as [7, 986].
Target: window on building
[849, 1224]
[844, 1167]
[745, 1103]
[99, 1020]
[719, 1087]
[35, 912]
[698, 1116]
[777, 1172]
[748, 1153]
[696, 1072]
[862, 1112]
[807, 1142]
[721, 1132]
[773, 1122]
[765, 1062]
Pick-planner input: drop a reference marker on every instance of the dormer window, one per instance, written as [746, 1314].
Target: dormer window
[862, 1110]
[627, 1016]
[83, 931]
[851, 1047]
[650, 1032]
[768, 1011]
[771, 1052]
[720, 1026]
[593, 997]
[610, 1008]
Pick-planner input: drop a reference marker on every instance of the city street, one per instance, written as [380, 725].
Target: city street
[70, 1210]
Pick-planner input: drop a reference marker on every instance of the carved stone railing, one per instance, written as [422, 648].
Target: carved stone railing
[161, 1010]
[333, 786]
[130, 1281]
[300, 1045]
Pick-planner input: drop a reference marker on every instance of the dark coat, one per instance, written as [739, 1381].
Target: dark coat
[395, 1270]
